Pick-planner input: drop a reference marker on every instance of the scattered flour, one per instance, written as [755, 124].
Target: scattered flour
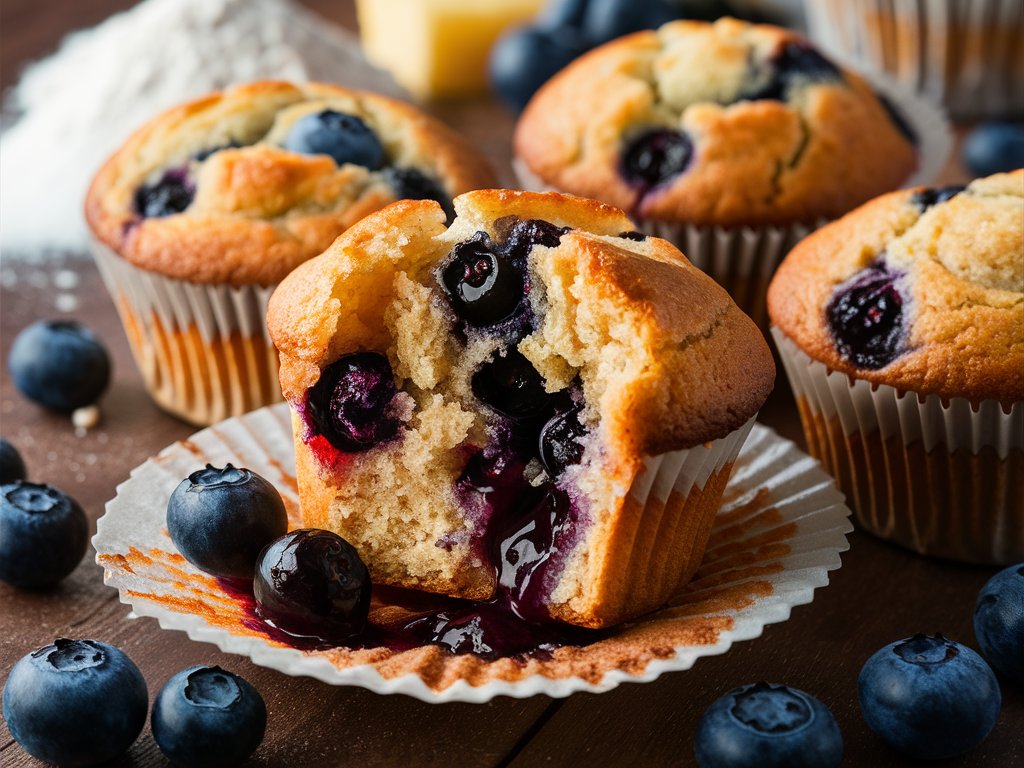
[75, 108]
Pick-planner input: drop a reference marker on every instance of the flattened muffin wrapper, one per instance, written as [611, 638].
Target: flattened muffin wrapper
[965, 54]
[944, 478]
[204, 350]
[743, 259]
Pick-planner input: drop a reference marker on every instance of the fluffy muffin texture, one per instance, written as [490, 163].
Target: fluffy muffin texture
[922, 290]
[724, 124]
[242, 208]
[617, 346]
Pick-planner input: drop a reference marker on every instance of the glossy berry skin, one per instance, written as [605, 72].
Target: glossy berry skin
[221, 519]
[999, 621]
[768, 726]
[929, 697]
[207, 717]
[655, 157]
[344, 137]
[12, 466]
[170, 194]
[412, 184]
[865, 318]
[525, 58]
[994, 148]
[607, 19]
[60, 364]
[929, 196]
[75, 702]
[43, 534]
[350, 404]
[483, 285]
[511, 386]
[312, 583]
[561, 442]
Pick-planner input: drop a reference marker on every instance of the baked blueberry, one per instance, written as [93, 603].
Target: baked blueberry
[561, 441]
[605, 20]
[60, 364]
[312, 583]
[483, 285]
[638, 237]
[171, 193]
[512, 386]
[526, 233]
[206, 154]
[523, 59]
[994, 148]
[865, 318]
[795, 63]
[75, 702]
[43, 534]
[768, 726]
[929, 196]
[929, 697]
[12, 466]
[412, 184]
[349, 405]
[221, 519]
[344, 137]
[207, 717]
[999, 621]
[655, 157]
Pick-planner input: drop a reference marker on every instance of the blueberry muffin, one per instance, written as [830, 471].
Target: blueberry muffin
[732, 140]
[534, 404]
[209, 205]
[902, 330]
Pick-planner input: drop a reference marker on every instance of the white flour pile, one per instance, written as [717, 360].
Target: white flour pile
[76, 107]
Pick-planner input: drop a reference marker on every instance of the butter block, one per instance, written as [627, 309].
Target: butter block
[438, 49]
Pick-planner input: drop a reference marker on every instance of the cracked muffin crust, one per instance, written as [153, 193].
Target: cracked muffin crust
[450, 382]
[230, 189]
[727, 124]
[921, 289]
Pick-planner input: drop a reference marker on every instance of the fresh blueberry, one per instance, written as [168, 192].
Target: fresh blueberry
[525, 58]
[999, 621]
[221, 519]
[608, 19]
[994, 148]
[655, 157]
[12, 467]
[207, 717]
[511, 386]
[768, 726]
[561, 441]
[349, 405]
[865, 318]
[929, 196]
[312, 583]
[413, 184]
[345, 137]
[899, 120]
[75, 702]
[171, 193]
[929, 697]
[793, 64]
[43, 534]
[483, 285]
[60, 364]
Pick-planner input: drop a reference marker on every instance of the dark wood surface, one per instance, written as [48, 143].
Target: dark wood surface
[881, 593]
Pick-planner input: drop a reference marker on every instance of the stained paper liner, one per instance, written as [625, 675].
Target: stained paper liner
[779, 531]
[204, 350]
[965, 54]
[743, 259]
[941, 478]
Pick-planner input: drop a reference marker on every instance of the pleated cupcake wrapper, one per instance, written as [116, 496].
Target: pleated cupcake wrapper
[204, 350]
[942, 478]
[965, 54]
[779, 532]
[743, 259]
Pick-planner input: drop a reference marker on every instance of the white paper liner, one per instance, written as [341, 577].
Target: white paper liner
[776, 494]
[965, 54]
[743, 259]
[917, 498]
[230, 369]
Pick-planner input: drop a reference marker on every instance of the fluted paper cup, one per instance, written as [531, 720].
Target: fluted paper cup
[944, 478]
[203, 350]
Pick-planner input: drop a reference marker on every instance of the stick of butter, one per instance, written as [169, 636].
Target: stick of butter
[438, 49]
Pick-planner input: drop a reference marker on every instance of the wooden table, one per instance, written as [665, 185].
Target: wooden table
[881, 594]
